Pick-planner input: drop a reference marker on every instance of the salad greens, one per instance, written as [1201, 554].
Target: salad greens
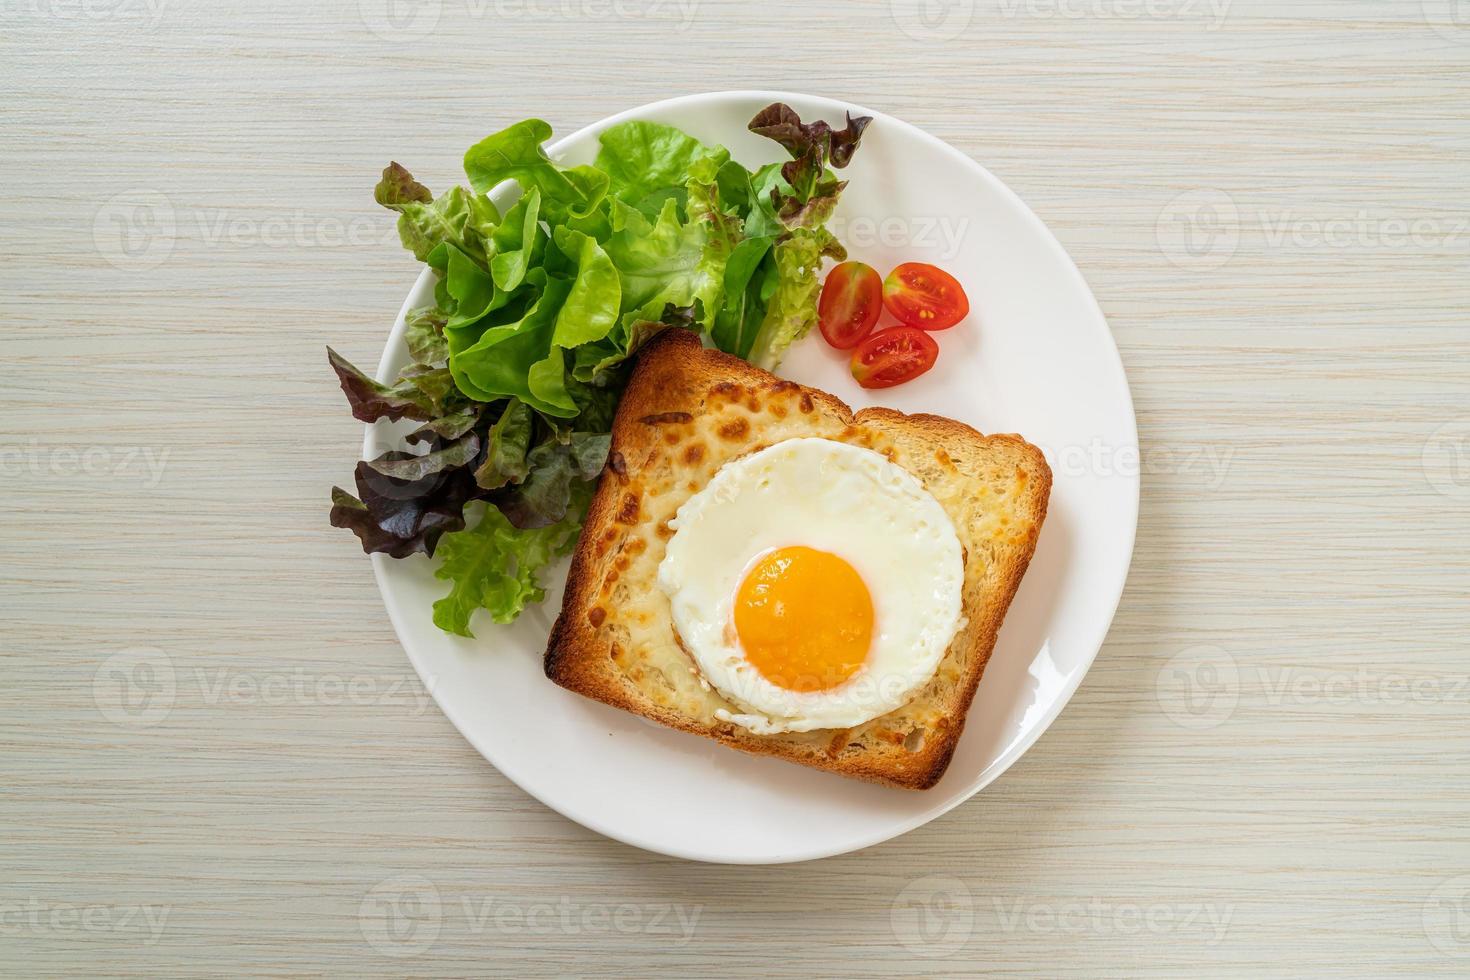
[517, 367]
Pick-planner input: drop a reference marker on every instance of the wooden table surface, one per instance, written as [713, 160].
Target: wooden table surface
[214, 755]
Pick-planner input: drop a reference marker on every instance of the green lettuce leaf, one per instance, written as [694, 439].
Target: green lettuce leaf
[496, 567]
[458, 216]
[655, 256]
[792, 308]
[411, 468]
[556, 468]
[424, 334]
[591, 307]
[648, 163]
[515, 153]
[397, 188]
[596, 402]
[446, 427]
[436, 384]
[750, 278]
[471, 289]
[594, 362]
[519, 242]
[547, 383]
[667, 262]
[791, 204]
[517, 359]
[508, 442]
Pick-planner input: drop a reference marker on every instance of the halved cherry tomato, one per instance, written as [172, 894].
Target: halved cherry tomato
[852, 298]
[893, 356]
[925, 296]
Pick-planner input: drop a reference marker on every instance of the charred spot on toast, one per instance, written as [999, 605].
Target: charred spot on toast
[735, 429]
[629, 509]
[783, 394]
[667, 418]
[727, 391]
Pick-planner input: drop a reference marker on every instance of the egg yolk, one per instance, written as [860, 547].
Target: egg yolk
[804, 618]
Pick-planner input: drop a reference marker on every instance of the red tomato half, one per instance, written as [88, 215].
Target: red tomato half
[852, 298]
[893, 356]
[925, 296]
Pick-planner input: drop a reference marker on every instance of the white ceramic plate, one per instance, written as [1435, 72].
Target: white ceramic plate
[1034, 357]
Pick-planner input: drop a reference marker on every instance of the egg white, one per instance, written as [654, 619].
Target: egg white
[833, 497]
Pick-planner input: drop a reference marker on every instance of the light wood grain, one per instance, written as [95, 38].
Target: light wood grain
[258, 820]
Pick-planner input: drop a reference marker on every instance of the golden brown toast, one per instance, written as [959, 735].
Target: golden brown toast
[686, 412]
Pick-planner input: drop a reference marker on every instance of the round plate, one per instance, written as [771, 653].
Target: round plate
[1034, 357]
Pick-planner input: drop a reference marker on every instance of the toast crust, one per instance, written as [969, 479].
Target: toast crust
[688, 410]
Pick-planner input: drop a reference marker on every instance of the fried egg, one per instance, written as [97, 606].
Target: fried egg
[815, 584]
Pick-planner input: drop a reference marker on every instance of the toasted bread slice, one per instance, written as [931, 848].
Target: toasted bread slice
[686, 412]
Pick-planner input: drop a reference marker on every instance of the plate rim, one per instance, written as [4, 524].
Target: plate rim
[387, 365]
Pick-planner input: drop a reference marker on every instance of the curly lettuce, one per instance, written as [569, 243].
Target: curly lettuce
[496, 566]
